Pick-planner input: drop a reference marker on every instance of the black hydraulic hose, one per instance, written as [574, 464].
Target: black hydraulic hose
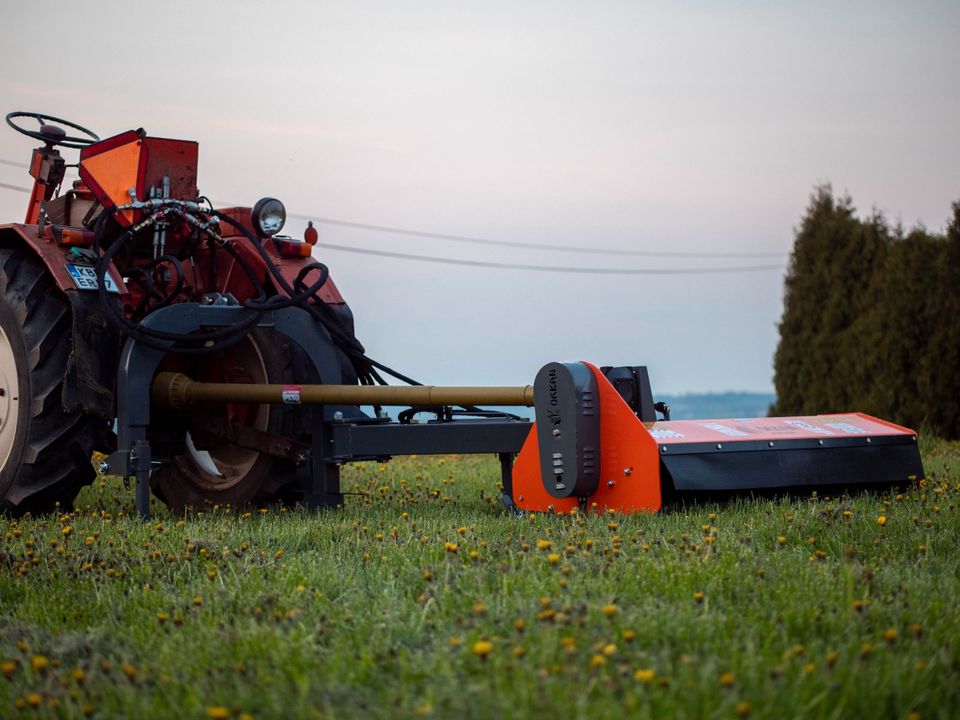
[155, 338]
[319, 310]
[136, 328]
[148, 284]
[220, 338]
[299, 294]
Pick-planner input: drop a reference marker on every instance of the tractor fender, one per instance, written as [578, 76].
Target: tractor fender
[90, 377]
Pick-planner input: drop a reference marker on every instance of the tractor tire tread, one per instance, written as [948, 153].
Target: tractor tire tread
[55, 463]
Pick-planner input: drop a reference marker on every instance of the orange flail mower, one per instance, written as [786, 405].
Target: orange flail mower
[591, 448]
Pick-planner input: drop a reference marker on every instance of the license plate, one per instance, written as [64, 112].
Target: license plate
[85, 278]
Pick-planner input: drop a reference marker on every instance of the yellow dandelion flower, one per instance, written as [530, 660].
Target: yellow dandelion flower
[519, 651]
[598, 661]
[427, 575]
[129, 670]
[39, 663]
[553, 558]
[832, 658]
[742, 709]
[629, 635]
[781, 540]
[890, 635]
[218, 712]
[482, 648]
[728, 679]
[79, 675]
[544, 544]
[197, 601]
[34, 700]
[645, 675]
[8, 668]
[609, 610]
[698, 596]
[451, 547]
[882, 520]
[162, 617]
[609, 649]
[480, 609]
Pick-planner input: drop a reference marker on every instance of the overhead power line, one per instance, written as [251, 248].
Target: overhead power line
[532, 246]
[553, 268]
[450, 237]
[12, 163]
[7, 186]
[510, 266]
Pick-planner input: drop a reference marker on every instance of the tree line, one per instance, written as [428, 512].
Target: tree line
[871, 319]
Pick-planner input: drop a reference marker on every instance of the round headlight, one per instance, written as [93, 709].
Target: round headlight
[268, 216]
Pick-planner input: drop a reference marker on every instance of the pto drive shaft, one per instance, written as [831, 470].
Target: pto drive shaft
[176, 390]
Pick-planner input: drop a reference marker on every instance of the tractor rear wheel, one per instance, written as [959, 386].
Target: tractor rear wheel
[218, 472]
[44, 450]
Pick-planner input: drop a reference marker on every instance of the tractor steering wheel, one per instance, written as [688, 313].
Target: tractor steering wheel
[51, 134]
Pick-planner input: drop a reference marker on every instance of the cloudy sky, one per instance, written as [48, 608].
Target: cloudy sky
[692, 128]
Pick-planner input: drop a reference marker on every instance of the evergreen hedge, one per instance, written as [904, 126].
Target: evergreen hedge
[871, 319]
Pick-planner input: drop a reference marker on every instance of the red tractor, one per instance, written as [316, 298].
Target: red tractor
[61, 329]
[216, 362]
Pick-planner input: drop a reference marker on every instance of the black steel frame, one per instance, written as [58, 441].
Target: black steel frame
[337, 437]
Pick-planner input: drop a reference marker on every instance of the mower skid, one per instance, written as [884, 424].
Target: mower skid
[644, 465]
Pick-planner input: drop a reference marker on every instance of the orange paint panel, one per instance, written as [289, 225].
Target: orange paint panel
[629, 463]
[528, 491]
[680, 432]
[116, 171]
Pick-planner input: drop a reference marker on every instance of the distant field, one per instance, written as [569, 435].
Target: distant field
[424, 598]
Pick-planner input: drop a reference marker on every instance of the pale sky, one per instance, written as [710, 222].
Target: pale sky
[667, 127]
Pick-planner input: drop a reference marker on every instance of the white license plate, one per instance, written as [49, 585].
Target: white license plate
[85, 278]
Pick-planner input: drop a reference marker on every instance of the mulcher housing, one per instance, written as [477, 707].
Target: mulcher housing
[228, 358]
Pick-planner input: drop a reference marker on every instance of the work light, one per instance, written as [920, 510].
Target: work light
[268, 216]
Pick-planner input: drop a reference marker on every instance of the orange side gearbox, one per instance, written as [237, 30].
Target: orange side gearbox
[625, 463]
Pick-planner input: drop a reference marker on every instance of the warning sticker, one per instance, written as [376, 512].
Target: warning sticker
[847, 428]
[291, 394]
[804, 425]
[728, 431]
[665, 433]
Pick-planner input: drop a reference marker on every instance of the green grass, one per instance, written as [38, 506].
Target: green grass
[794, 608]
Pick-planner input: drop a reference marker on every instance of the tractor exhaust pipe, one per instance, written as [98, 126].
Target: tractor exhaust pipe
[176, 390]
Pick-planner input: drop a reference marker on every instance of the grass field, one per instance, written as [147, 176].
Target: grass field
[424, 598]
